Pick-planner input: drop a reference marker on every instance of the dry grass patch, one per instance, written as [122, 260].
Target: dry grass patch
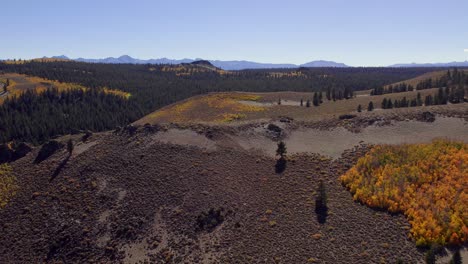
[222, 107]
[8, 185]
[20, 83]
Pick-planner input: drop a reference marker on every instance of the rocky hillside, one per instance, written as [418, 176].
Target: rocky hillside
[167, 194]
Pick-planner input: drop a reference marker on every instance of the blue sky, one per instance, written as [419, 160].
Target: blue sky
[355, 32]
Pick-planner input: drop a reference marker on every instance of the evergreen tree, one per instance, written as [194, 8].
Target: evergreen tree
[279, 101]
[316, 99]
[384, 103]
[389, 104]
[404, 102]
[456, 258]
[302, 102]
[441, 96]
[347, 93]
[281, 150]
[419, 99]
[70, 146]
[430, 256]
[359, 108]
[308, 103]
[428, 100]
[280, 165]
[370, 106]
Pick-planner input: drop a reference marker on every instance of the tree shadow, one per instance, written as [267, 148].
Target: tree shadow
[59, 168]
[280, 165]
[322, 211]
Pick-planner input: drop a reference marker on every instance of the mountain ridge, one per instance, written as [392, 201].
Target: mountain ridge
[245, 64]
[436, 64]
[225, 65]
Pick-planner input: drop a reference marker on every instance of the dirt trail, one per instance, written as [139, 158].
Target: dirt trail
[185, 137]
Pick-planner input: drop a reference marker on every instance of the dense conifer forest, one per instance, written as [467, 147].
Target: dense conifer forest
[455, 80]
[38, 117]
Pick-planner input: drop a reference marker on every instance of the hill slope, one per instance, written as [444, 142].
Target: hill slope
[202, 194]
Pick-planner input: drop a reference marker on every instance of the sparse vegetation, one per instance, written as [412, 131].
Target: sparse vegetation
[8, 185]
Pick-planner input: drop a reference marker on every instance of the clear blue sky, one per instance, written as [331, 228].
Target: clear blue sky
[355, 32]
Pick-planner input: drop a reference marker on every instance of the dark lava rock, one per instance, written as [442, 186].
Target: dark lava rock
[274, 128]
[286, 119]
[130, 129]
[347, 116]
[86, 136]
[47, 150]
[428, 117]
[149, 129]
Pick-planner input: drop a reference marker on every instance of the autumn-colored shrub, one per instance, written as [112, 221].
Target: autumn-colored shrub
[426, 182]
[120, 93]
[8, 186]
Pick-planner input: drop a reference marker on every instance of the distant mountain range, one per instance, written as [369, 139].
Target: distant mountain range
[225, 65]
[448, 64]
[242, 64]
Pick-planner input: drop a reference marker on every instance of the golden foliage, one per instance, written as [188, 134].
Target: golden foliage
[117, 92]
[224, 107]
[189, 70]
[38, 84]
[43, 84]
[8, 185]
[292, 74]
[231, 117]
[426, 182]
[17, 62]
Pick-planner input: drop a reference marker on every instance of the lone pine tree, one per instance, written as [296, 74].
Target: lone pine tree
[370, 107]
[281, 150]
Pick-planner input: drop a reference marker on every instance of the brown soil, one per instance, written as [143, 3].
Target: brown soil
[136, 199]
